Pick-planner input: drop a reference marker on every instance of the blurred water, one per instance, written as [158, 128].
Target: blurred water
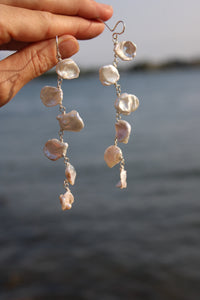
[140, 243]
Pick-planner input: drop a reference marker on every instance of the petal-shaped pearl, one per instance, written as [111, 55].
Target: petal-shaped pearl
[70, 121]
[54, 149]
[126, 103]
[123, 131]
[66, 200]
[112, 156]
[70, 174]
[51, 96]
[108, 75]
[125, 50]
[122, 184]
[67, 69]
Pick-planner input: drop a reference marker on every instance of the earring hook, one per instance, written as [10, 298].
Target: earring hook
[57, 50]
[115, 34]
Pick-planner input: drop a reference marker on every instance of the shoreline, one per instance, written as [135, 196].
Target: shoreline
[146, 66]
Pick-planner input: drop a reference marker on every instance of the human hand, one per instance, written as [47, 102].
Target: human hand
[30, 27]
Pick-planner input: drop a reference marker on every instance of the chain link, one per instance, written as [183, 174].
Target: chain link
[117, 85]
[122, 164]
[115, 64]
[118, 116]
[62, 109]
[61, 134]
[59, 82]
[66, 185]
[118, 89]
[66, 161]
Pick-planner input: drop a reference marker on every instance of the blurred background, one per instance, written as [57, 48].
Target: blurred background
[141, 243]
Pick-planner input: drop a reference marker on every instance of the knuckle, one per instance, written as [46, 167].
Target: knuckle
[4, 33]
[46, 21]
[41, 61]
[4, 36]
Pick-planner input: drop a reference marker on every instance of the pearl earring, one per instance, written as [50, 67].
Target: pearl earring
[124, 104]
[55, 149]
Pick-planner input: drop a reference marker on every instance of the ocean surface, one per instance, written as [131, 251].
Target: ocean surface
[142, 243]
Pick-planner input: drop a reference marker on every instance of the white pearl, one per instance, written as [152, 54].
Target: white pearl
[51, 96]
[67, 69]
[123, 131]
[70, 174]
[70, 121]
[125, 50]
[126, 103]
[55, 149]
[122, 184]
[108, 75]
[112, 156]
[66, 200]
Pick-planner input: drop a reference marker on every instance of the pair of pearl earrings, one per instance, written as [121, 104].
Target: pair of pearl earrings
[125, 103]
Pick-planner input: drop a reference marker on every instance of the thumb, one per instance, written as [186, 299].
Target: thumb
[34, 60]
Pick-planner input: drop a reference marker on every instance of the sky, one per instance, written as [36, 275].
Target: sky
[161, 29]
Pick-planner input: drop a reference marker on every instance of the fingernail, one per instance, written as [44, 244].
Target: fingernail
[68, 46]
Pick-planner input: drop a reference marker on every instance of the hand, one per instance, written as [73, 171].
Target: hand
[30, 27]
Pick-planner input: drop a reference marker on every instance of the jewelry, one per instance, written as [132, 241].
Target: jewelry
[124, 104]
[54, 149]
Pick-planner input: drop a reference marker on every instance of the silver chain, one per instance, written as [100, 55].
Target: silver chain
[62, 109]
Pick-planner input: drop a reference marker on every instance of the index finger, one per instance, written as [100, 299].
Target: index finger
[33, 26]
[89, 9]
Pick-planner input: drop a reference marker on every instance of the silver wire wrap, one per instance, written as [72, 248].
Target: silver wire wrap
[58, 55]
[115, 34]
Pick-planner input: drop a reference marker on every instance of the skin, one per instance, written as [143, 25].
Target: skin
[29, 27]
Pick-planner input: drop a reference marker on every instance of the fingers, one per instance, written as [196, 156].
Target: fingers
[31, 62]
[84, 8]
[31, 26]
[32, 32]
